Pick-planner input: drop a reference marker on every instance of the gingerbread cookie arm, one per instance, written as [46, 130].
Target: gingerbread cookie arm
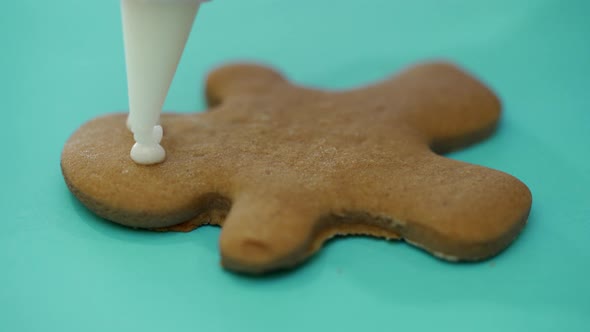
[241, 79]
[267, 230]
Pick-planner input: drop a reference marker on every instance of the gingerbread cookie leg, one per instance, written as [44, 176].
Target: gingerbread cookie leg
[454, 210]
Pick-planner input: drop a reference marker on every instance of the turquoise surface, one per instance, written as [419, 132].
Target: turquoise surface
[62, 269]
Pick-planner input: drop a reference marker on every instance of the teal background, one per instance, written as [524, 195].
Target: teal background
[62, 269]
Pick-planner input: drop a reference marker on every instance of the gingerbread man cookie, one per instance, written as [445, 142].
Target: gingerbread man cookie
[283, 168]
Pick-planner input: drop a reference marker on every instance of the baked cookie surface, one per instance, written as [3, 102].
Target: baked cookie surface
[283, 168]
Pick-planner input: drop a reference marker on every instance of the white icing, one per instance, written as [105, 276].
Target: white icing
[155, 34]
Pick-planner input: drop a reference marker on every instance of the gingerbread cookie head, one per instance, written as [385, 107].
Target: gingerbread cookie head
[282, 168]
